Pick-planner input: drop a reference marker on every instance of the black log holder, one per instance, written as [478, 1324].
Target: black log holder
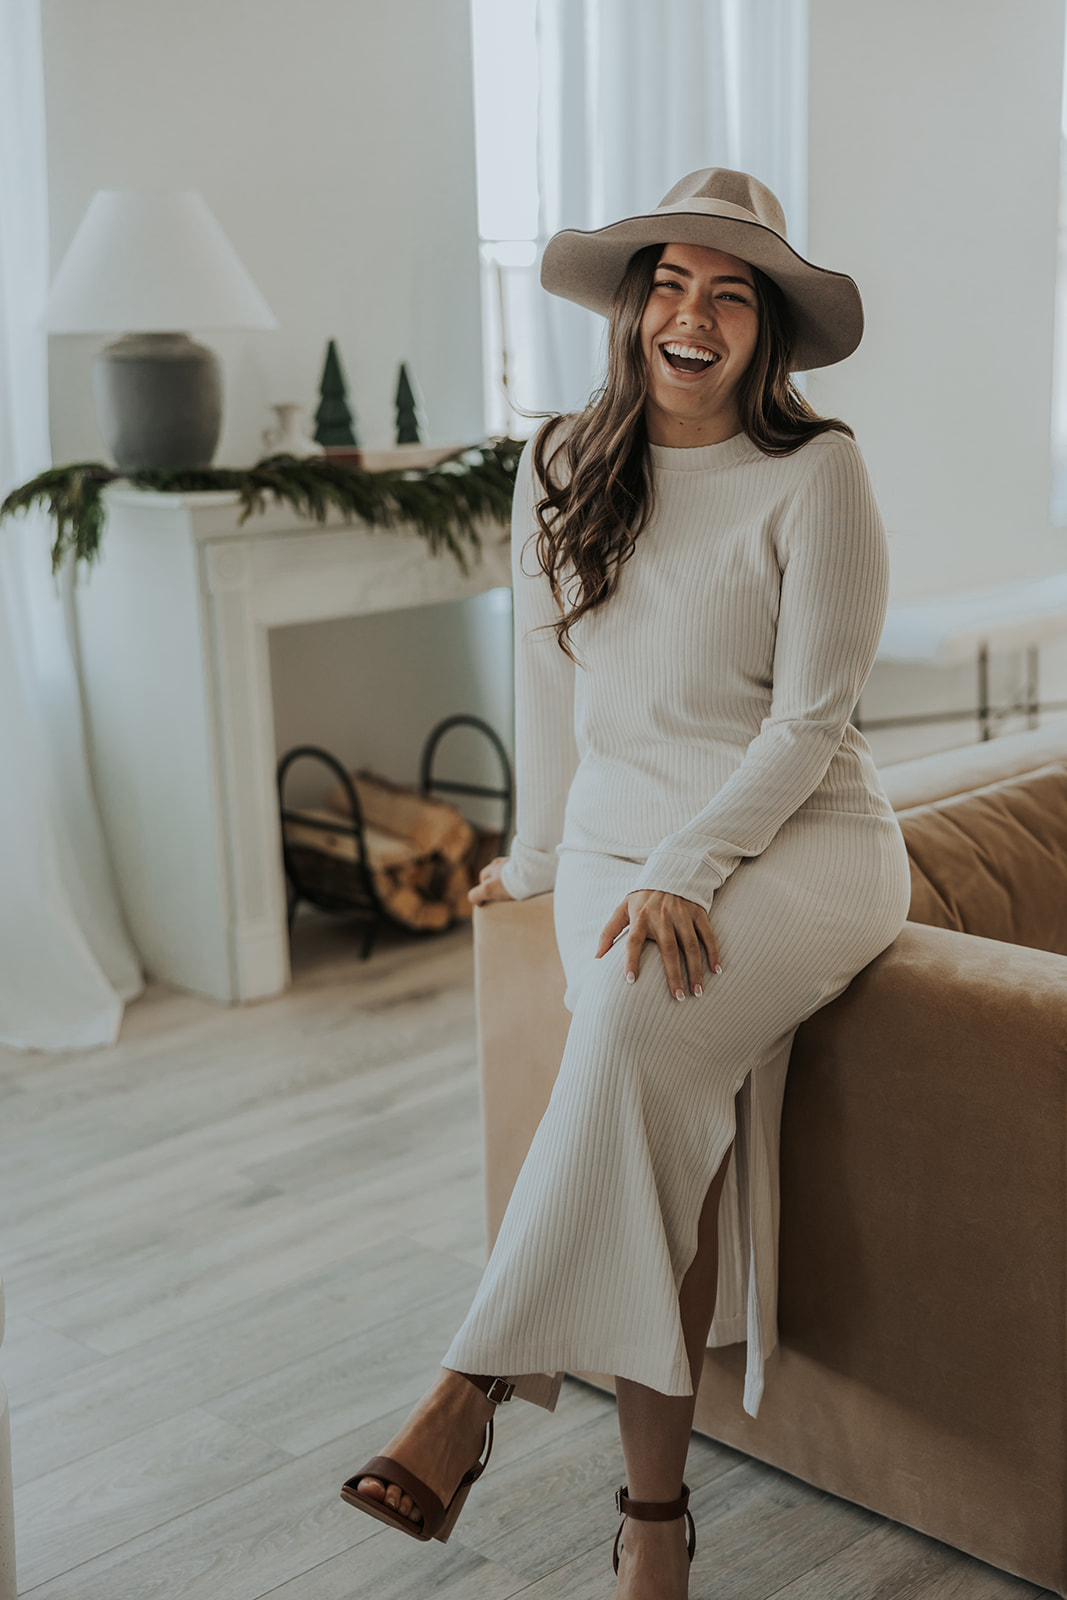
[346, 887]
[429, 784]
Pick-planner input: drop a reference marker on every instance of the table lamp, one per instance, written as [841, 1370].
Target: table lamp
[152, 262]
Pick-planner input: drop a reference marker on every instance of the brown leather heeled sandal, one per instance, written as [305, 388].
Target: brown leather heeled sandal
[653, 1511]
[437, 1520]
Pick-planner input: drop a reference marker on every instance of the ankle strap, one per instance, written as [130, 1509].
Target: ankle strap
[495, 1389]
[652, 1510]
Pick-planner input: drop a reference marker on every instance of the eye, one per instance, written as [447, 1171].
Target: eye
[728, 294]
[666, 283]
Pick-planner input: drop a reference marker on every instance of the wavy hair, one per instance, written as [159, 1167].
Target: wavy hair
[597, 479]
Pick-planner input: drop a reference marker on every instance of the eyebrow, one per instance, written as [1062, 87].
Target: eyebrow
[668, 266]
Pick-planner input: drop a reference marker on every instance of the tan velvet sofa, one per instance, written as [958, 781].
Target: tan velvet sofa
[923, 1262]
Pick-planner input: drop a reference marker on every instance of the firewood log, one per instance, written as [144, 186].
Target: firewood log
[405, 902]
[419, 889]
[459, 885]
[432, 825]
[383, 849]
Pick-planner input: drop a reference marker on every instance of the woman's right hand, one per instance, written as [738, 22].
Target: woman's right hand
[490, 885]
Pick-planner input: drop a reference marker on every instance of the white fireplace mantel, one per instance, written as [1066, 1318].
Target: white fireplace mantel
[173, 629]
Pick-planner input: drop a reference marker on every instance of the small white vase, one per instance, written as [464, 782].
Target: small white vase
[287, 439]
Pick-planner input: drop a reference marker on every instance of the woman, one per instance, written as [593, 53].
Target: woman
[700, 580]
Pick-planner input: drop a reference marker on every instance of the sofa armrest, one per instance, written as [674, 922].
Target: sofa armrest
[922, 1307]
[924, 1191]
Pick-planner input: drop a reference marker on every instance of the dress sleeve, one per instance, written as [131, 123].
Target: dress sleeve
[546, 755]
[834, 562]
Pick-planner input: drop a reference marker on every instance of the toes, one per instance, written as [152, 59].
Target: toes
[391, 1495]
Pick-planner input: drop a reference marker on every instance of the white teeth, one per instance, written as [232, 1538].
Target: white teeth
[690, 352]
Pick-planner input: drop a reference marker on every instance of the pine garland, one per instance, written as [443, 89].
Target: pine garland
[443, 503]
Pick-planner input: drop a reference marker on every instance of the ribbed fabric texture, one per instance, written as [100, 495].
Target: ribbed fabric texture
[701, 747]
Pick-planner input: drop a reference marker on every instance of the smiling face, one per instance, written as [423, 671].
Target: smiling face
[698, 333]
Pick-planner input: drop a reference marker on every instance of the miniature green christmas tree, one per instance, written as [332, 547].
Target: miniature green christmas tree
[333, 419]
[407, 421]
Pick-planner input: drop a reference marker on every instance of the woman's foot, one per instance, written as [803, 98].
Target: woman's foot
[653, 1561]
[441, 1439]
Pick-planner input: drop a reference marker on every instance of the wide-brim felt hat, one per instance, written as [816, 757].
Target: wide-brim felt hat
[722, 210]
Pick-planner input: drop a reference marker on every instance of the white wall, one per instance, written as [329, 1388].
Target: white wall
[934, 181]
[934, 148]
[334, 141]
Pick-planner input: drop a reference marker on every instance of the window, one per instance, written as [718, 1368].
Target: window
[506, 89]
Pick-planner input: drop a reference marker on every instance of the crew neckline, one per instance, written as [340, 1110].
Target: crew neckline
[703, 457]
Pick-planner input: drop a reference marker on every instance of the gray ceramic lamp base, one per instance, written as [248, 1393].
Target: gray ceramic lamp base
[158, 401]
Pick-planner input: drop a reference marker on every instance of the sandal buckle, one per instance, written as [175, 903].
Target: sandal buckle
[499, 1391]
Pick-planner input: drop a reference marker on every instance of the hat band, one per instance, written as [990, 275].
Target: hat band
[713, 208]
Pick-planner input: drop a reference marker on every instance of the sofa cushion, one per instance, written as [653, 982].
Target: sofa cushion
[993, 862]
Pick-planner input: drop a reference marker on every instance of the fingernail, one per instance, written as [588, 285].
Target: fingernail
[679, 994]
[698, 990]
[630, 976]
[717, 969]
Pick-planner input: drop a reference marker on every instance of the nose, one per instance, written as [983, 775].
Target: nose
[697, 310]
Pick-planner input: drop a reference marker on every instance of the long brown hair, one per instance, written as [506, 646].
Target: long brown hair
[594, 509]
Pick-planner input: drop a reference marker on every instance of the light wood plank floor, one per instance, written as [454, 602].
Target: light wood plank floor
[235, 1246]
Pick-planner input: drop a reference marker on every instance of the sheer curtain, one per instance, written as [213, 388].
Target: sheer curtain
[66, 963]
[630, 98]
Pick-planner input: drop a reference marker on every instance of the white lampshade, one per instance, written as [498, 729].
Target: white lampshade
[152, 261]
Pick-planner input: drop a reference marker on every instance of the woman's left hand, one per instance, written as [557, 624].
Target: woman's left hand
[679, 927]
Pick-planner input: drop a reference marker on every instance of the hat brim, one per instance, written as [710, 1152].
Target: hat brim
[587, 267]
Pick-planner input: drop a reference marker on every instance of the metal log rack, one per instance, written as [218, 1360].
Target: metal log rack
[347, 887]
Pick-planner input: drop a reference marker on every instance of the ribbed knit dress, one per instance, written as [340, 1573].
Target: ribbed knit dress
[701, 746]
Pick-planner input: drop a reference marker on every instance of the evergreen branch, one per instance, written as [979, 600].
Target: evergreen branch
[71, 496]
[444, 504]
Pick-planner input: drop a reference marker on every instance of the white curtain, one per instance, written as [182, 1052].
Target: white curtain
[66, 963]
[632, 97]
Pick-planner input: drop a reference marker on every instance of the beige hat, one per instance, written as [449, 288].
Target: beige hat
[723, 210]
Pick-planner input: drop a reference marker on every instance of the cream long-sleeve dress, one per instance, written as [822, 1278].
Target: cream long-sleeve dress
[702, 746]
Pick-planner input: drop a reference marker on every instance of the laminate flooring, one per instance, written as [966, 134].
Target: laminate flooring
[235, 1246]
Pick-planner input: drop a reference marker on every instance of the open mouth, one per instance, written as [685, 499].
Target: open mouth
[688, 357]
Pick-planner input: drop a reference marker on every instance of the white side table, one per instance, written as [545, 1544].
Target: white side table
[949, 629]
[173, 627]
